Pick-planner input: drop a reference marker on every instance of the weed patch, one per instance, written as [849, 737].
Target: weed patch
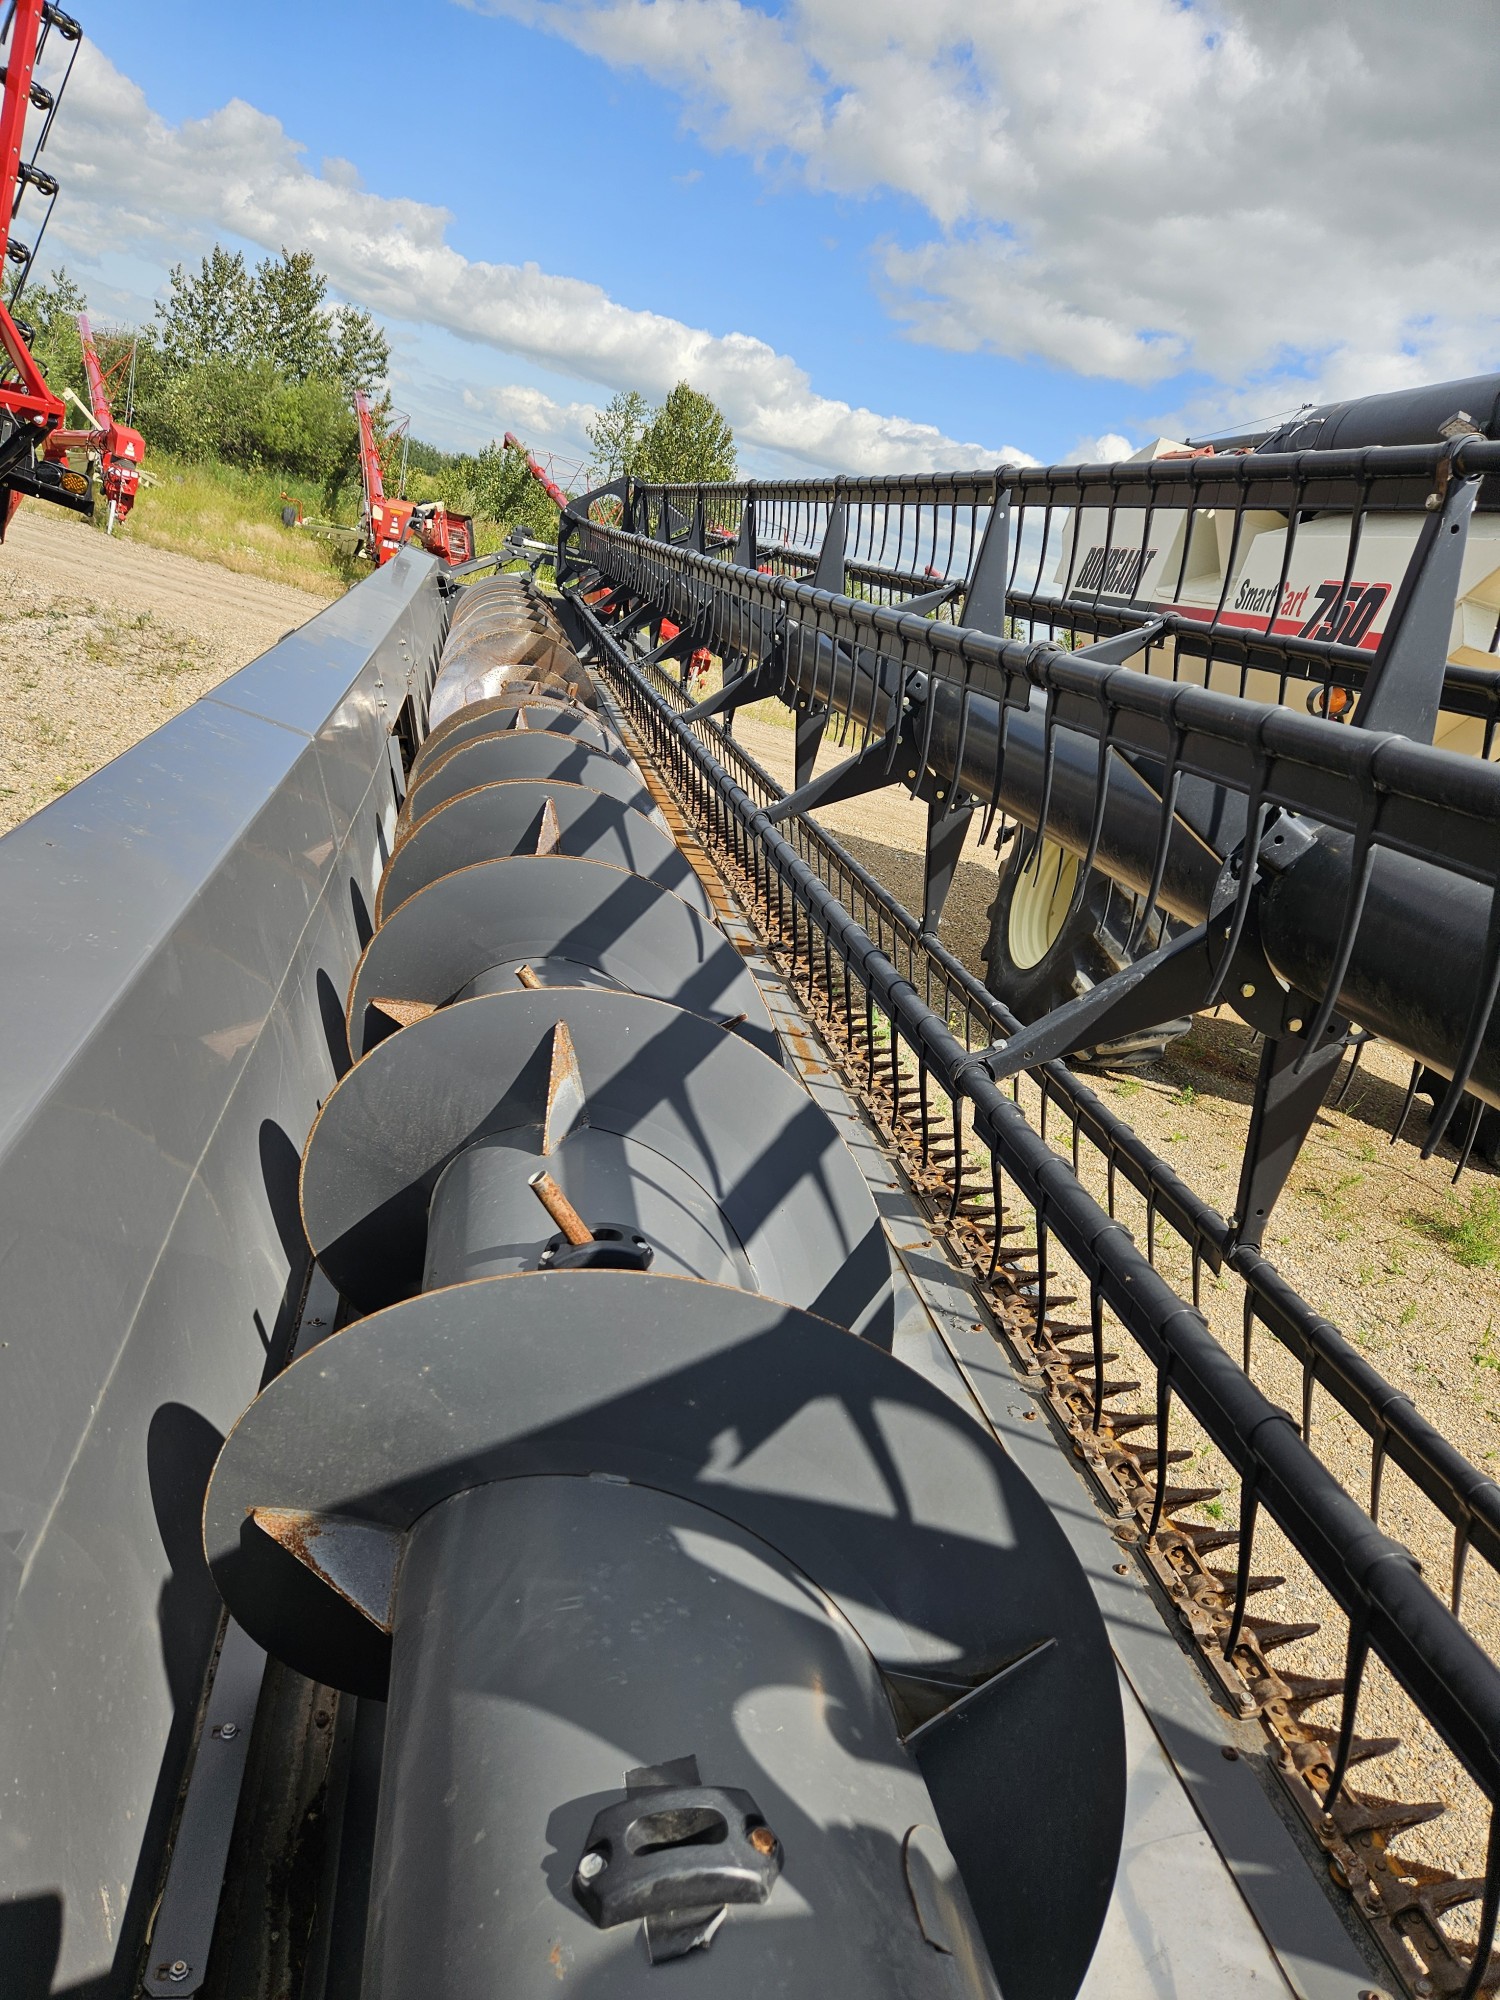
[1470, 1232]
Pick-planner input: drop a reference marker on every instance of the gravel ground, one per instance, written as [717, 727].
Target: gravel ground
[105, 641]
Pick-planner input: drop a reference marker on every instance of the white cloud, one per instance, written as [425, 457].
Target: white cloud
[1297, 200]
[1103, 450]
[135, 182]
[537, 419]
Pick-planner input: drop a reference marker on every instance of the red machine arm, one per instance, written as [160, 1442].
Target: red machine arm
[369, 452]
[29, 397]
[120, 450]
[549, 486]
[98, 394]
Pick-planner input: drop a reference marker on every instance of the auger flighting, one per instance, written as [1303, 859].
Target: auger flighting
[708, 1630]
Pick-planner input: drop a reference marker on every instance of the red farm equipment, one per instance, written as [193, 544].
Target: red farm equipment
[118, 450]
[666, 631]
[33, 445]
[538, 472]
[388, 524]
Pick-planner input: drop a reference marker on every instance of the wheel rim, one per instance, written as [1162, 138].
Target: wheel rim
[1040, 903]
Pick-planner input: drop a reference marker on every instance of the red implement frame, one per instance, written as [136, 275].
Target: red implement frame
[389, 525]
[120, 450]
[666, 631]
[31, 454]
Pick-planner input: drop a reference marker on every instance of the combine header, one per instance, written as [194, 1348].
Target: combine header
[584, 1406]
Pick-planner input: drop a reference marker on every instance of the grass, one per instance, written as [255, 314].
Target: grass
[1471, 1233]
[221, 515]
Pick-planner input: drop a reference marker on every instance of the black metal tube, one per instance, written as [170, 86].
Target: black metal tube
[1411, 976]
[1013, 778]
[1416, 956]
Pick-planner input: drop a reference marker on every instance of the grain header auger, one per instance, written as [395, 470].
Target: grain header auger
[559, 1187]
[1138, 672]
[600, 1482]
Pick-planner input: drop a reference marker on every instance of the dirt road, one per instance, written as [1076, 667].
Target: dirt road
[104, 641]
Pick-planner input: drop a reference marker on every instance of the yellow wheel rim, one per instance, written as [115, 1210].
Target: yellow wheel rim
[1039, 906]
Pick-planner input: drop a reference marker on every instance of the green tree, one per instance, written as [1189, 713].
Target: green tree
[248, 414]
[291, 326]
[505, 492]
[687, 441]
[210, 315]
[618, 433]
[51, 311]
[361, 353]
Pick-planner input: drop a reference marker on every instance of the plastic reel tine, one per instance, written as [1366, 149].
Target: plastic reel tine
[1140, 570]
[963, 737]
[1096, 1334]
[993, 805]
[956, 1105]
[1101, 799]
[1484, 1943]
[1354, 1672]
[1249, 1513]
[996, 1194]
[929, 707]
[1041, 1272]
[1354, 909]
[1163, 1413]
[1469, 1137]
[1356, 1052]
[1255, 826]
[1109, 542]
[1460, 1557]
[1044, 807]
[1406, 1103]
[1173, 781]
[1479, 1020]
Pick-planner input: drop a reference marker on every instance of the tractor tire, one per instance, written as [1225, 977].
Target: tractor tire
[1042, 952]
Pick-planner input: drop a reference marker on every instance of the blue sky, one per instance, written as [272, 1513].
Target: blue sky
[1024, 227]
